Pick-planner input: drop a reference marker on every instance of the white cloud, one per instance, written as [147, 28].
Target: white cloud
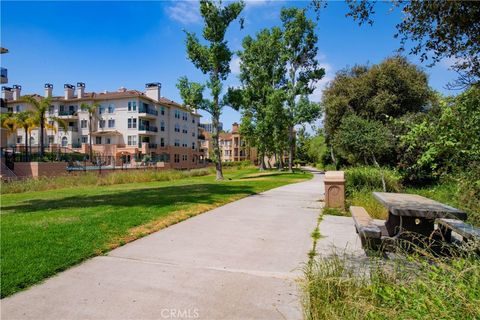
[235, 65]
[320, 85]
[185, 12]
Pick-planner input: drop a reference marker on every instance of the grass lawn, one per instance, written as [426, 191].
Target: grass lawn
[45, 232]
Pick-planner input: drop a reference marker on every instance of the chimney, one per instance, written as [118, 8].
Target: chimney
[153, 90]
[234, 127]
[17, 89]
[7, 93]
[48, 90]
[80, 89]
[68, 88]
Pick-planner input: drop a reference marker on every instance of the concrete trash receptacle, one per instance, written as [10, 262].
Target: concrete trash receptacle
[335, 189]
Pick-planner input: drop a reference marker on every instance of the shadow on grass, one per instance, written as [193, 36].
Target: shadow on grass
[150, 197]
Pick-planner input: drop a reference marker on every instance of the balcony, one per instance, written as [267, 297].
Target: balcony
[147, 128]
[4, 75]
[68, 114]
[150, 145]
[147, 112]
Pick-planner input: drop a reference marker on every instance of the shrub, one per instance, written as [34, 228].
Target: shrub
[370, 178]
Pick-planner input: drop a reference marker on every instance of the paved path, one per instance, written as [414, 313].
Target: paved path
[239, 261]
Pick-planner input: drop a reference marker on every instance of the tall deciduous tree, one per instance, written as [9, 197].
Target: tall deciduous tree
[213, 60]
[260, 98]
[303, 70]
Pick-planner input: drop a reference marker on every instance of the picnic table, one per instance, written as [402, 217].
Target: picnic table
[414, 213]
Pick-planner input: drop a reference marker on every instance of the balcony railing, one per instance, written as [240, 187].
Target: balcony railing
[148, 111]
[150, 145]
[67, 113]
[148, 128]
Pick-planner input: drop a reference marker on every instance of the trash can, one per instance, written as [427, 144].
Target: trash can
[335, 189]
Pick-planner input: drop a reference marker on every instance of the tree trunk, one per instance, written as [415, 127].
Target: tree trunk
[216, 146]
[26, 144]
[381, 172]
[262, 166]
[281, 164]
[90, 151]
[332, 155]
[42, 129]
[291, 146]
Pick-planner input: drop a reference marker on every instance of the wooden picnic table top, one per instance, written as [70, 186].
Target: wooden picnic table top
[413, 205]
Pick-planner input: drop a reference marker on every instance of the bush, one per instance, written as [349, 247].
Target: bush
[370, 178]
[238, 164]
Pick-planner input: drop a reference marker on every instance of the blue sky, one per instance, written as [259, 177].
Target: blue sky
[112, 44]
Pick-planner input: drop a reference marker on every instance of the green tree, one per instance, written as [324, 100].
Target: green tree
[212, 59]
[260, 98]
[447, 141]
[390, 89]
[362, 140]
[434, 30]
[303, 70]
[92, 112]
[23, 120]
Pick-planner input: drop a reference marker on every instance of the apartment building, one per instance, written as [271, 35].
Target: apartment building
[232, 146]
[127, 125]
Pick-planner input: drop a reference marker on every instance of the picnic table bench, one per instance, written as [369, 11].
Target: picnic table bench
[410, 215]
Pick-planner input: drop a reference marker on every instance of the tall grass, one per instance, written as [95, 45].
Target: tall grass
[362, 181]
[93, 179]
[411, 287]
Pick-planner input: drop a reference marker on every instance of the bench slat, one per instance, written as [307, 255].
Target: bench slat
[364, 223]
[464, 229]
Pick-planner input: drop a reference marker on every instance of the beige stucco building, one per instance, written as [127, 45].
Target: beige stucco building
[232, 146]
[127, 125]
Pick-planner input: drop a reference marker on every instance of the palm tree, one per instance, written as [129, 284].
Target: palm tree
[92, 111]
[24, 120]
[40, 107]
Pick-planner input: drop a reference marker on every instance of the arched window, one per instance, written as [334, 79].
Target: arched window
[64, 141]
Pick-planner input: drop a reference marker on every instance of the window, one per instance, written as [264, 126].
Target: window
[162, 110]
[64, 141]
[84, 139]
[98, 140]
[132, 123]
[184, 157]
[193, 145]
[177, 114]
[176, 158]
[101, 124]
[193, 133]
[19, 139]
[111, 108]
[132, 140]
[50, 109]
[184, 144]
[111, 123]
[177, 127]
[177, 143]
[18, 108]
[193, 120]
[184, 130]
[132, 105]
[83, 124]
[101, 110]
[108, 140]
[162, 126]
[162, 142]
[184, 116]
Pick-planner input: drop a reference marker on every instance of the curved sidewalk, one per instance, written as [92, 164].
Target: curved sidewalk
[239, 261]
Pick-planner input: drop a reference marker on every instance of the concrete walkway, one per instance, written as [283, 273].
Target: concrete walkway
[239, 261]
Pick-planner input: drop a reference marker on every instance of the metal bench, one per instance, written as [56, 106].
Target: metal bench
[467, 231]
[369, 232]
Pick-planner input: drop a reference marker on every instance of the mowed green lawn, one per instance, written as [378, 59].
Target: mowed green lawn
[45, 232]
